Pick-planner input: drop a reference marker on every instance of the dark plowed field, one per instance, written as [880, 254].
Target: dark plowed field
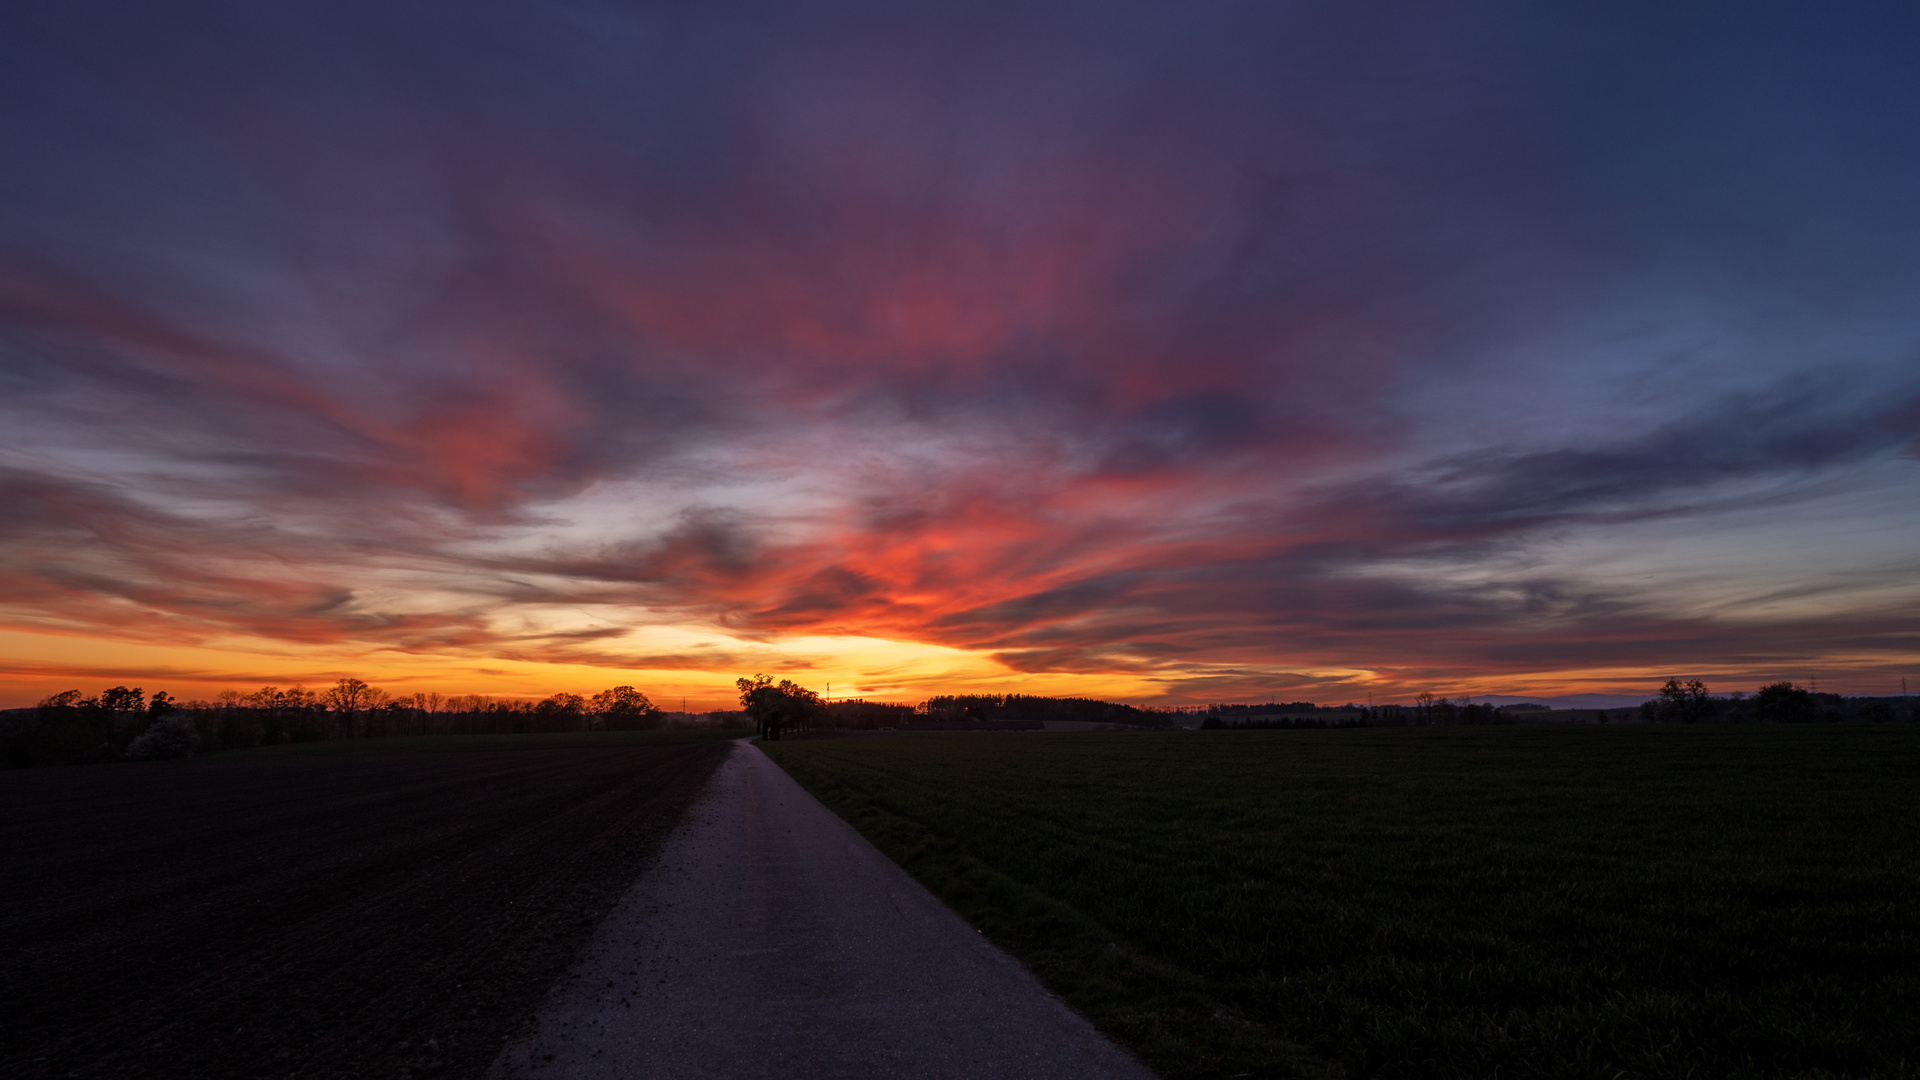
[378, 916]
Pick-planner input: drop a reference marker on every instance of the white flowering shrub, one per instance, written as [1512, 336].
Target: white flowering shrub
[169, 737]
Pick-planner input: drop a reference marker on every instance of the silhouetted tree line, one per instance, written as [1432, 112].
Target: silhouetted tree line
[1286, 723]
[787, 707]
[863, 715]
[1228, 712]
[67, 727]
[1430, 710]
[1776, 703]
[1028, 707]
[122, 723]
[1689, 702]
[1292, 715]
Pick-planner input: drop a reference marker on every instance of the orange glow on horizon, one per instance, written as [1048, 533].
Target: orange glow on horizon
[33, 665]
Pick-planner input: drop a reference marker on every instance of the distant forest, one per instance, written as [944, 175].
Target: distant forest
[1026, 707]
[123, 723]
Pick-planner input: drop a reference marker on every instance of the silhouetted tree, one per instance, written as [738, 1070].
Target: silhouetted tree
[427, 709]
[119, 715]
[1687, 702]
[1783, 702]
[62, 733]
[776, 709]
[348, 698]
[121, 699]
[625, 709]
[561, 712]
[272, 715]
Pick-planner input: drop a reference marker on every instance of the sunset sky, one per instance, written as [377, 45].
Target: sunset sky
[1168, 353]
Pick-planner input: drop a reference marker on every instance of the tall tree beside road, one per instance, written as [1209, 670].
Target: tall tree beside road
[776, 709]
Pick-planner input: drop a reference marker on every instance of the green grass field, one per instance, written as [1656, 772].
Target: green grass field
[1521, 902]
[433, 744]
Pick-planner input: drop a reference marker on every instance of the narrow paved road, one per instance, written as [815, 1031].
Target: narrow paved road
[771, 940]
